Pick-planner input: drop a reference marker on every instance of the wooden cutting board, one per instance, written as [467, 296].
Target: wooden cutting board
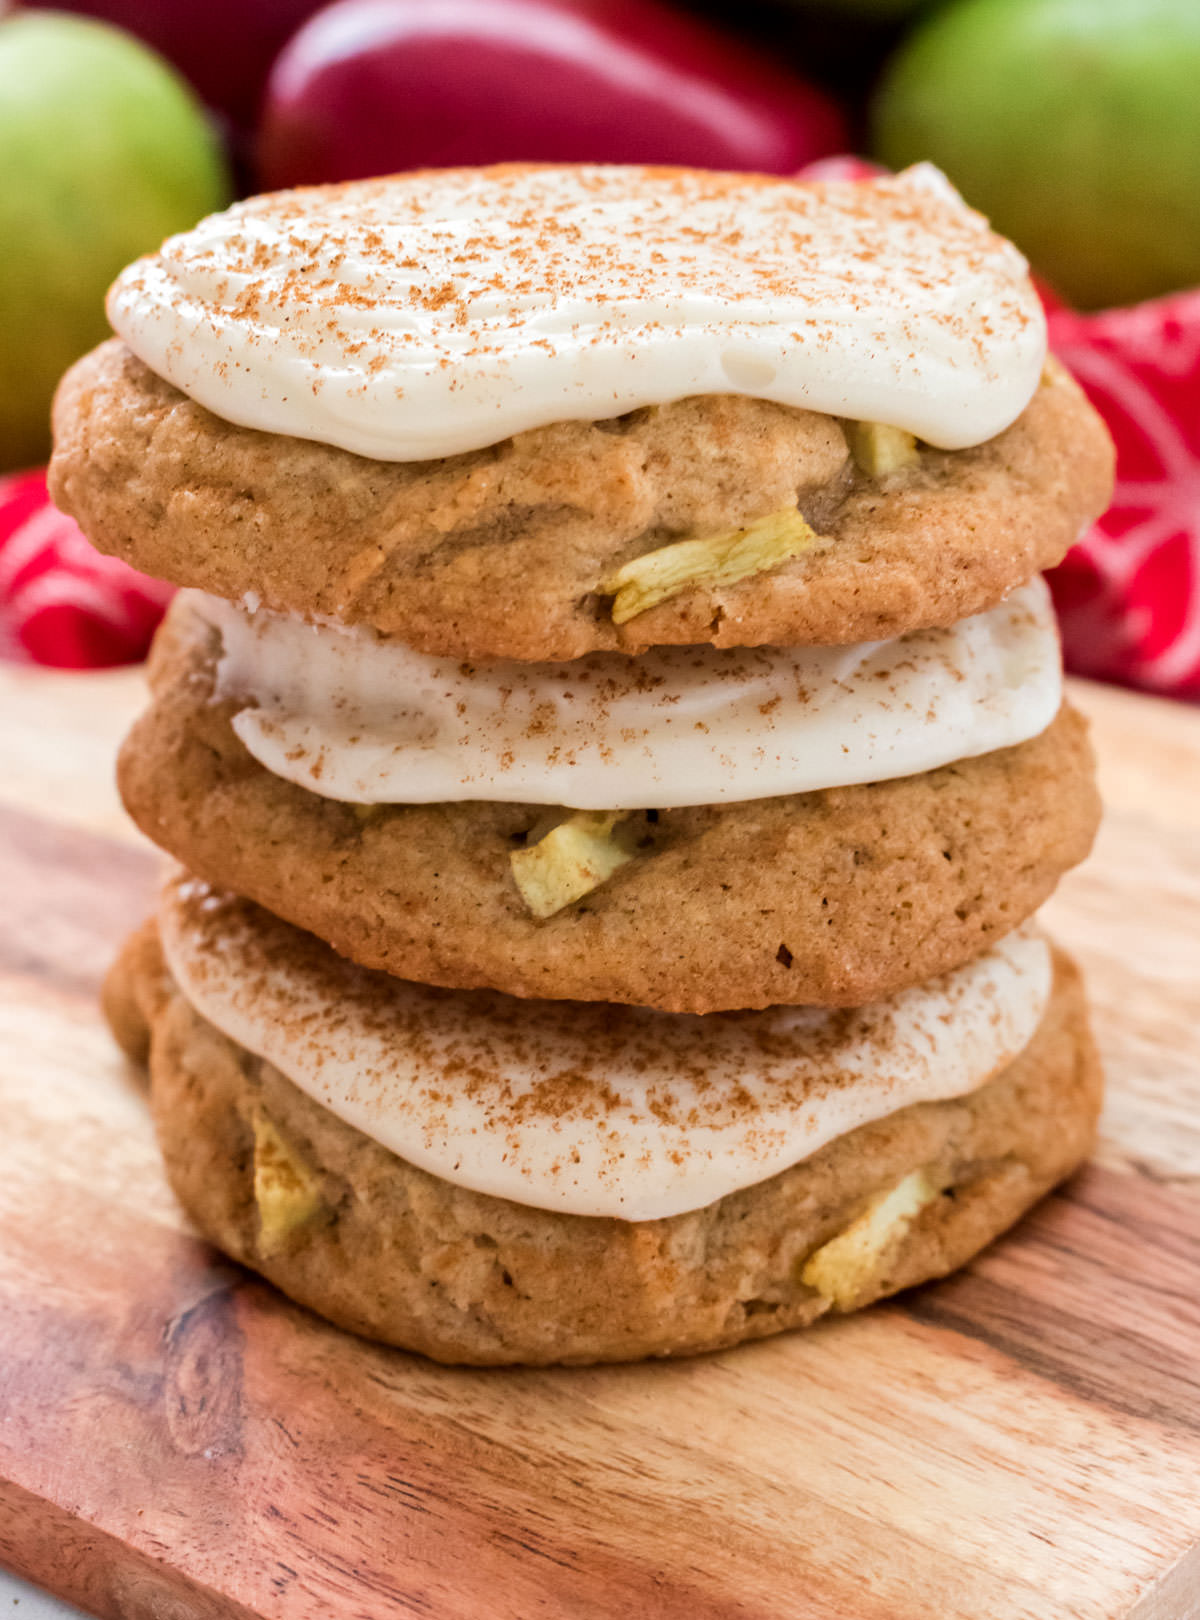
[178, 1441]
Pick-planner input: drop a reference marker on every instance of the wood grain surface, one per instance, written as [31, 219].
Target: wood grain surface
[1021, 1442]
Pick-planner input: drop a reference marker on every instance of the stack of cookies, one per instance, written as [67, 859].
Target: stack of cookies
[612, 740]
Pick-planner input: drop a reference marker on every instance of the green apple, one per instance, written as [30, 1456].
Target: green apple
[103, 152]
[1072, 123]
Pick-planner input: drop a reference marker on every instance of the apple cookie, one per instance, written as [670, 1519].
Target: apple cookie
[517, 550]
[493, 1182]
[615, 731]
[835, 896]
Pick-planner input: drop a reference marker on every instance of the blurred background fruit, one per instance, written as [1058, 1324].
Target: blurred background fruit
[1074, 124]
[105, 152]
[841, 45]
[371, 86]
[224, 48]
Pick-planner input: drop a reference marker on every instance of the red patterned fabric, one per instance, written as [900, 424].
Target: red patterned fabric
[1129, 594]
[61, 602]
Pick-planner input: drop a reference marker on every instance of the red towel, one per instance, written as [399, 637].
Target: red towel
[61, 602]
[1129, 594]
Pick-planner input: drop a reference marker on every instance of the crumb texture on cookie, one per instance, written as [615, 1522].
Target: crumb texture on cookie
[503, 552]
[402, 1256]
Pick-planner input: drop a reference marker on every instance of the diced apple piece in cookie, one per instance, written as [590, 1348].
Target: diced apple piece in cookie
[843, 1268]
[571, 859]
[720, 559]
[287, 1190]
[1054, 373]
[878, 449]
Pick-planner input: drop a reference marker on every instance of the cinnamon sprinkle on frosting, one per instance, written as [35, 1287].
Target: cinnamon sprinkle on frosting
[436, 312]
[585, 1108]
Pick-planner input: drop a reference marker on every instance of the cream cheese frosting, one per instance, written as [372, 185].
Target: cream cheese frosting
[583, 1108]
[351, 715]
[442, 311]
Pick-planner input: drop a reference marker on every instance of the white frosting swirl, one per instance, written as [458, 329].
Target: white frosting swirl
[438, 312]
[581, 1108]
[354, 716]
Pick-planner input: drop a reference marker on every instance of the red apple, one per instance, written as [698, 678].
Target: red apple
[373, 86]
